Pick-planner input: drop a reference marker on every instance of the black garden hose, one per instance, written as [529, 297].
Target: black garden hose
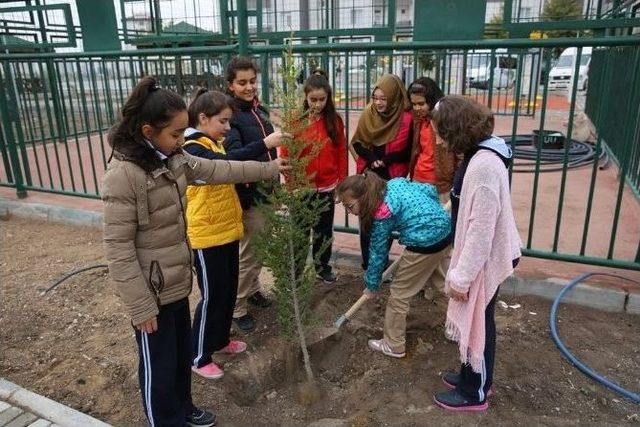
[73, 273]
[552, 159]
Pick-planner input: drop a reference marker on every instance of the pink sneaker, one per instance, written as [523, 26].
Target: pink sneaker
[234, 347]
[210, 371]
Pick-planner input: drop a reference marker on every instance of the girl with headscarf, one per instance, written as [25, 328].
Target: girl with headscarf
[382, 142]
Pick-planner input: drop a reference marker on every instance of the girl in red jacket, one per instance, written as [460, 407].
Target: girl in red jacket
[329, 167]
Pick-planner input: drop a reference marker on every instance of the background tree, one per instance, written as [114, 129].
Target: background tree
[496, 30]
[561, 10]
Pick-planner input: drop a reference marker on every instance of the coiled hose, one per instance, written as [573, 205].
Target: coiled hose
[553, 319]
[552, 159]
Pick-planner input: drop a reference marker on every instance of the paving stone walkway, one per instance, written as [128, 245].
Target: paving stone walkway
[22, 408]
[12, 416]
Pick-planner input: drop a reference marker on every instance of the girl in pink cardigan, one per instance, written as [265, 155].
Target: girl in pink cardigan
[486, 246]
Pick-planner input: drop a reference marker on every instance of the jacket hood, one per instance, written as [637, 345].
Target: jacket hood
[192, 133]
[498, 146]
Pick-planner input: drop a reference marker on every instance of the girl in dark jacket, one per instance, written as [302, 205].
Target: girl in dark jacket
[252, 136]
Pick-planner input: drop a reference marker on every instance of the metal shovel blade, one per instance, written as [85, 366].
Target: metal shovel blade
[320, 334]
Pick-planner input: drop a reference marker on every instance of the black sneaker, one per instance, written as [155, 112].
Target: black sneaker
[245, 323]
[451, 379]
[200, 418]
[259, 300]
[452, 400]
[327, 276]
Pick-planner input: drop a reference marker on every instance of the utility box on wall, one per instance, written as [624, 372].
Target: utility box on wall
[448, 19]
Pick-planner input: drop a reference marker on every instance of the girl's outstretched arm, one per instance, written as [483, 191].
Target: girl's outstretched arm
[230, 172]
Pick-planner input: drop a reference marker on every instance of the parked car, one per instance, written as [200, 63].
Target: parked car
[560, 75]
[480, 67]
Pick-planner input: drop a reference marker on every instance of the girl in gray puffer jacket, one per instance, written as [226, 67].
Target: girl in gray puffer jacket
[146, 243]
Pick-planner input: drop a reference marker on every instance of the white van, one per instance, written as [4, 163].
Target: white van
[478, 69]
[560, 75]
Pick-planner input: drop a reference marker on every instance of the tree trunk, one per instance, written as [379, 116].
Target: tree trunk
[296, 306]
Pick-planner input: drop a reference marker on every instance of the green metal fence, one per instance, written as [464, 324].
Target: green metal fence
[56, 109]
[614, 114]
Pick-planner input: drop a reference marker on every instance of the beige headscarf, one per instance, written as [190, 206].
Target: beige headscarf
[376, 129]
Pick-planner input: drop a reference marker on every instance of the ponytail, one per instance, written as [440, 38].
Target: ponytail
[369, 190]
[147, 104]
[209, 103]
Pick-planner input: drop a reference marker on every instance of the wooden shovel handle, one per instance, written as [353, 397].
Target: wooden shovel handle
[356, 306]
[391, 270]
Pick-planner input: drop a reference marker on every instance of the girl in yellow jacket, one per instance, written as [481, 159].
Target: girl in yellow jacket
[215, 229]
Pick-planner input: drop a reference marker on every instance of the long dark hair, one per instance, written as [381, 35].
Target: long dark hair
[208, 102]
[147, 104]
[330, 115]
[238, 63]
[369, 190]
[427, 87]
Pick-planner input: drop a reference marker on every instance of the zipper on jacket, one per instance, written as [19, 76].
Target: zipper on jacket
[264, 132]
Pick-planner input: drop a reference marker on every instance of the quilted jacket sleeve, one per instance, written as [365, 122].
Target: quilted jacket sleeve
[229, 172]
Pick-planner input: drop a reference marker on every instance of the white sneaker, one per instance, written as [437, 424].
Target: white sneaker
[383, 347]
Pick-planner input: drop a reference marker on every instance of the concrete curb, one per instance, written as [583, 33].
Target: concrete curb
[633, 304]
[52, 213]
[45, 408]
[586, 295]
[613, 300]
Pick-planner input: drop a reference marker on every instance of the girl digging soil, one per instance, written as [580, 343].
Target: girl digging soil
[414, 211]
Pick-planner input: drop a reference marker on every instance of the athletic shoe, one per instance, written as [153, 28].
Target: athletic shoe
[383, 347]
[245, 323]
[200, 418]
[327, 276]
[210, 371]
[452, 400]
[234, 347]
[259, 300]
[452, 379]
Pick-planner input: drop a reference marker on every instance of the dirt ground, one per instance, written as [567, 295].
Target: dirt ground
[75, 345]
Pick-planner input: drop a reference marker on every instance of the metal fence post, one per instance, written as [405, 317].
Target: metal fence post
[9, 113]
[243, 28]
